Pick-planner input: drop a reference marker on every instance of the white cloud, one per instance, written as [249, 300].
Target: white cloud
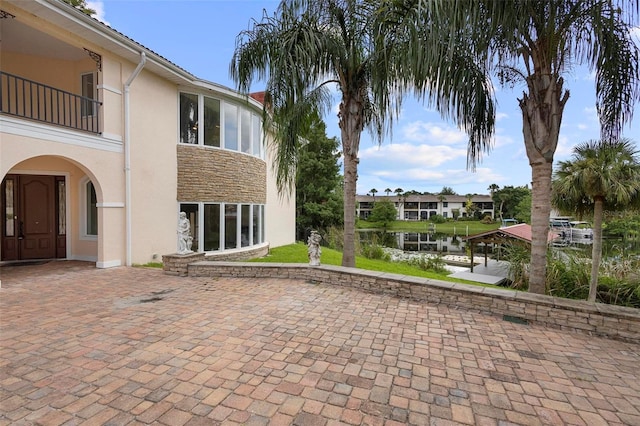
[404, 154]
[564, 148]
[98, 6]
[501, 116]
[424, 132]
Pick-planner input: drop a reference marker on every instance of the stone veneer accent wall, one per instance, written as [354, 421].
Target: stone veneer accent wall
[218, 175]
[615, 322]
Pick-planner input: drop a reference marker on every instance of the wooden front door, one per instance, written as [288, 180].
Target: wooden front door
[32, 226]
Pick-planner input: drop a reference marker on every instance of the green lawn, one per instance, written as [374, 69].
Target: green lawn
[458, 227]
[297, 253]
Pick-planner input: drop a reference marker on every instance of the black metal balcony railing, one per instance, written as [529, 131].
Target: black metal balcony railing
[36, 101]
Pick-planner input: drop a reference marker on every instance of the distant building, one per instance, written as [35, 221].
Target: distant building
[423, 207]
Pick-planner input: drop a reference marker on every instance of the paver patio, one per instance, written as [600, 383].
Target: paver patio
[126, 346]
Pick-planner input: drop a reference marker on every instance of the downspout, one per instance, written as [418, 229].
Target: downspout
[127, 156]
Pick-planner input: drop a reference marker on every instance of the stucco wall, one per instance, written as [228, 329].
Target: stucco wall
[154, 123]
[280, 211]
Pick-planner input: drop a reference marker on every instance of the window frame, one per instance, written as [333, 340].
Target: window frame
[256, 230]
[84, 216]
[88, 110]
[254, 126]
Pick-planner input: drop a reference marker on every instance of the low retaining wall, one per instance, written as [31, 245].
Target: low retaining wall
[596, 319]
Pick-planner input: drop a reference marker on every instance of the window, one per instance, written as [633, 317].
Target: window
[188, 118]
[191, 210]
[257, 136]
[89, 210]
[212, 227]
[88, 88]
[230, 226]
[257, 224]
[226, 125]
[245, 230]
[211, 122]
[445, 204]
[231, 127]
[62, 206]
[225, 226]
[9, 212]
[245, 131]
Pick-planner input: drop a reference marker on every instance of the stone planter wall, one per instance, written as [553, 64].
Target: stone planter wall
[595, 319]
[177, 264]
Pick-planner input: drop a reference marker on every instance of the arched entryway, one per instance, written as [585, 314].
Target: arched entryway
[46, 204]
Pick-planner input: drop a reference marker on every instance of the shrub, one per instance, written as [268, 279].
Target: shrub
[430, 263]
[437, 218]
[487, 220]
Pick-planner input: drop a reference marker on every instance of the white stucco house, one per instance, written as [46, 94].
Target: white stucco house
[103, 143]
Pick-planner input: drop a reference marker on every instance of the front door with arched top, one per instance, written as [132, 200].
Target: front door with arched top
[33, 217]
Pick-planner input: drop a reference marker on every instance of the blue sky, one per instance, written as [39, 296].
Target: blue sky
[425, 152]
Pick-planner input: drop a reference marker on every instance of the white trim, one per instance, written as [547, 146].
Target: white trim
[83, 258]
[82, 214]
[31, 129]
[109, 264]
[111, 204]
[110, 89]
[112, 136]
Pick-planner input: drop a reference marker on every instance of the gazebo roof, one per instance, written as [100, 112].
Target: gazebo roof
[520, 232]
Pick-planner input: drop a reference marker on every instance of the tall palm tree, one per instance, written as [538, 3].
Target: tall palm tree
[601, 175]
[387, 191]
[373, 193]
[536, 42]
[309, 47]
[441, 198]
[493, 188]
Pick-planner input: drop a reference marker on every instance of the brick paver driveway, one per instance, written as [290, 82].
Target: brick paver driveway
[128, 346]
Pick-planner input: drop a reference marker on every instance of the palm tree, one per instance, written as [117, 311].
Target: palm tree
[441, 198]
[536, 42]
[310, 46]
[387, 191]
[373, 192]
[493, 188]
[601, 175]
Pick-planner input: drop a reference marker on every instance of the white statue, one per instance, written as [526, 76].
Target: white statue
[313, 249]
[184, 235]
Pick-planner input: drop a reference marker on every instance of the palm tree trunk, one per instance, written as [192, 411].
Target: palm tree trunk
[350, 180]
[540, 211]
[596, 253]
[542, 111]
[351, 126]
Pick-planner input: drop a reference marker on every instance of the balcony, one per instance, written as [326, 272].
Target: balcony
[31, 100]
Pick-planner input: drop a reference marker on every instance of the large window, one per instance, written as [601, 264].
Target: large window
[230, 226]
[212, 227]
[188, 118]
[191, 210]
[211, 122]
[231, 127]
[89, 90]
[245, 229]
[225, 226]
[88, 210]
[226, 125]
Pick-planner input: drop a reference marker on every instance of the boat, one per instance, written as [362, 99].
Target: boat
[571, 231]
